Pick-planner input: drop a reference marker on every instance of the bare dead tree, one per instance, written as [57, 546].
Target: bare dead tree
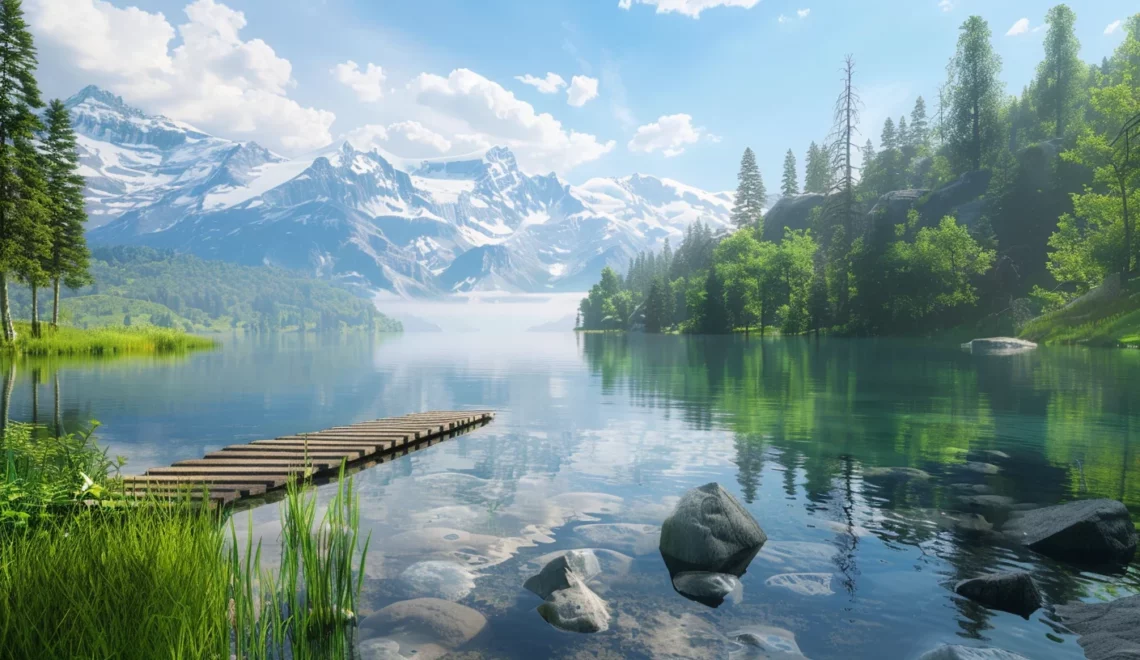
[842, 205]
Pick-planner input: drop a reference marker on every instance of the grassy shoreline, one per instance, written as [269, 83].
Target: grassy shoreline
[103, 342]
[163, 579]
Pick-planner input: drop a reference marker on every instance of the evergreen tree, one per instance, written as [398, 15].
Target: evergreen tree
[919, 128]
[20, 217]
[789, 185]
[888, 140]
[68, 256]
[975, 97]
[715, 314]
[868, 156]
[656, 314]
[903, 133]
[816, 177]
[750, 193]
[1058, 81]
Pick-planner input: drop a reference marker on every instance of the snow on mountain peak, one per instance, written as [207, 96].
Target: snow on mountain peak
[429, 226]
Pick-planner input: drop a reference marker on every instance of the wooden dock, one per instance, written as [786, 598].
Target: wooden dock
[254, 470]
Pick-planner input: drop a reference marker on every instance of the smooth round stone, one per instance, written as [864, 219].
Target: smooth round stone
[438, 579]
[423, 628]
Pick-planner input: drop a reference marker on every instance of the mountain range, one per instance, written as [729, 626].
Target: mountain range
[365, 217]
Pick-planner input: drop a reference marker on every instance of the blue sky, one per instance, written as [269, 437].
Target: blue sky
[677, 95]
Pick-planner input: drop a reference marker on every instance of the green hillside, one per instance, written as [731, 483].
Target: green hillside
[1106, 316]
[144, 286]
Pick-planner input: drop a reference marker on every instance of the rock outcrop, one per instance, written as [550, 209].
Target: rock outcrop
[1010, 592]
[1087, 532]
[1107, 630]
[793, 212]
[556, 574]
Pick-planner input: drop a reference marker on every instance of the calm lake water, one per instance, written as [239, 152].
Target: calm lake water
[597, 437]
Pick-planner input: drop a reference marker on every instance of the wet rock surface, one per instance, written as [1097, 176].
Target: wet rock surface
[420, 628]
[576, 608]
[555, 575]
[710, 531]
[1010, 592]
[1086, 532]
[710, 589]
[1107, 630]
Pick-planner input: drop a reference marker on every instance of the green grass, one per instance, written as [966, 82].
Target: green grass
[159, 579]
[1115, 323]
[103, 342]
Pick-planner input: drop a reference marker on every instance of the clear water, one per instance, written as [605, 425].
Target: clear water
[604, 430]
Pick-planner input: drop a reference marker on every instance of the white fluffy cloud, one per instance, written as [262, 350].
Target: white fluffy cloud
[583, 89]
[409, 139]
[803, 13]
[480, 111]
[367, 83]
[1112, 27]
[213, 78]
[690, 8]
[945, 5]
[1020, 27]
[548, 85]
[670, 134]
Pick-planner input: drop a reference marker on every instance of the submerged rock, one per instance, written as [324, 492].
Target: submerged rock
[999, 346]
[981, 468]
[576, 608]
[1010, 592]
[556, 574]
[706, 588]
[895, 473]
[440, 579]
[765, 642]
[1107, 630]
[955, 652]
[710, 531]
[1086, 531]
[423, 627]
[804, 584]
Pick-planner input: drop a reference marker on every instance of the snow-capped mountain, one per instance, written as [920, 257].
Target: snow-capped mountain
[413, 228]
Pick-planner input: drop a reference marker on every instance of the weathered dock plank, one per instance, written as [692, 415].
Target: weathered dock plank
[256, 468]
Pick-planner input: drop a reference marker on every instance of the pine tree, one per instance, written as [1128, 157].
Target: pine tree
[1058, 80]
[750, 194]
[975, 97]
[789, 185]
[919, 128]
[19, 166]
[715, 316]
[868, 155]
[817, 175]
[68, 256]
[888, 140]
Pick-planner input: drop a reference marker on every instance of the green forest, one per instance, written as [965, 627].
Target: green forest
[144, 286]
[980, 211]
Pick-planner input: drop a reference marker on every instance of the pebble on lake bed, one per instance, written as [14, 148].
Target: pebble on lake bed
[710, 531]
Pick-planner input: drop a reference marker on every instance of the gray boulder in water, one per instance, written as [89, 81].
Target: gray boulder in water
[1010, 592]
[956, 652]
[999, 346]
[1088, 532]
[1107, 630]
[710, 531]
[576, 608]
[556, 574]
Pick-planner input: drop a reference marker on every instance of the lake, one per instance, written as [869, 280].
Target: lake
[596, 438]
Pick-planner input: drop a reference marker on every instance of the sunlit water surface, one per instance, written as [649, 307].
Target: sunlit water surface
[597, 436]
